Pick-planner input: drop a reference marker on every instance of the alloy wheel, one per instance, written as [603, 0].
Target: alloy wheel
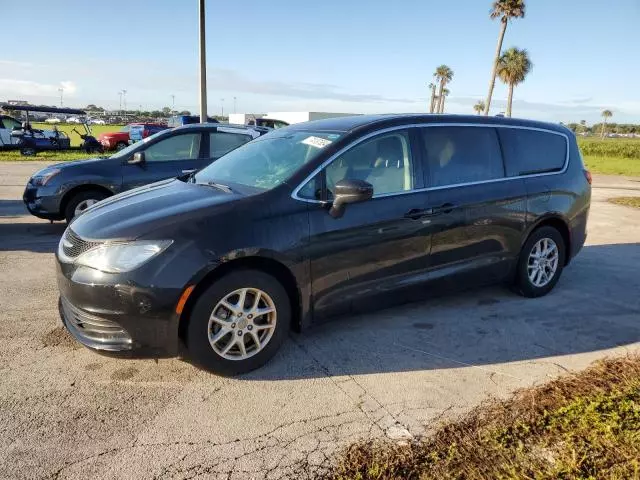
[83, 205]
[542, 262]
[242, 323]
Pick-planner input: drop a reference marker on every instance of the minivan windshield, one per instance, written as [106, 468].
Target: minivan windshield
[267, 161]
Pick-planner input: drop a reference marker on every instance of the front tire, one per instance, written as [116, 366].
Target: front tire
[121, 146]
[80, 202]
[541, 262]
[238, 323]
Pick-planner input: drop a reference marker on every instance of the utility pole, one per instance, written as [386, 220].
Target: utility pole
[203, 66]
[173, 103]
[61, 90]
[222, 107]
[234, 105]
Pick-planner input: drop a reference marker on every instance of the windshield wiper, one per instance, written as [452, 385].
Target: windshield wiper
[219, 186]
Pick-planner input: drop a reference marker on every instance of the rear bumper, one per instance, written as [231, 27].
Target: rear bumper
[578, 233]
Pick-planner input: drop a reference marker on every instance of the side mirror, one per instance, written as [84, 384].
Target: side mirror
[138, 159]
[349, 191]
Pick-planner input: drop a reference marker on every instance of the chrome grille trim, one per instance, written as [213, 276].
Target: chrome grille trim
[94, 331]
[72, 246]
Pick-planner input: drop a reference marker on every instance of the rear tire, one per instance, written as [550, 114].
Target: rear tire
[81, 201]
[120, 146]
[210, 320]
[541, 263]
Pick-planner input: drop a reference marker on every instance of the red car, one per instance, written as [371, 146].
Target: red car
[119, 140]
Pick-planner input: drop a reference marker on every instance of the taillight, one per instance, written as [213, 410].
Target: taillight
[587, 175]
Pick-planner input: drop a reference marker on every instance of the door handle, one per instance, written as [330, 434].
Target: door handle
[417, 213]
[444, 208]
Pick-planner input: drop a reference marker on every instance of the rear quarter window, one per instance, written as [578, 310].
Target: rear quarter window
[532, 151]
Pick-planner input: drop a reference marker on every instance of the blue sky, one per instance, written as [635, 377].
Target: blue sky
[360, 56]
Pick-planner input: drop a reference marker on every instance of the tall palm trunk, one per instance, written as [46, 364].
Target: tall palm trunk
[433, 98]
[604, 124]
[492, 80]
[509, 99]
[442, 82]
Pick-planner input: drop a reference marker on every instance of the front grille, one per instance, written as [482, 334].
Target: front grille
[97, 332]
[73, 245]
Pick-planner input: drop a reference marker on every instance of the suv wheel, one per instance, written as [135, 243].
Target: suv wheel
[120, 146]
[541, 262]
[80, 202]
[239, 322]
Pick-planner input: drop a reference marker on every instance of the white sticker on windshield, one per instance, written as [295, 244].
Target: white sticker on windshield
[316, 142]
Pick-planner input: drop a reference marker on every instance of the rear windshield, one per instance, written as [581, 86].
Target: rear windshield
[531, 151]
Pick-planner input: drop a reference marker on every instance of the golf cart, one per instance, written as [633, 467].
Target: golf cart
[30, 140]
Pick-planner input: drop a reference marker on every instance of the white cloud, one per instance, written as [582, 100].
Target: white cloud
[13, 87]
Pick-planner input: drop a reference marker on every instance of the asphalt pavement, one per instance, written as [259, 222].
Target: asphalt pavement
[66, 412]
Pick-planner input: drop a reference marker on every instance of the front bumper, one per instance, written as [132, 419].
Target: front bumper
[43, 202]
[115, 313]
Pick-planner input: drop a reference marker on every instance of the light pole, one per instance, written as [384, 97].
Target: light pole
[234, 105]
[124, 99]
[222, 107]
[120, 108]
[61, 90]
[203, 66]
[173, 103]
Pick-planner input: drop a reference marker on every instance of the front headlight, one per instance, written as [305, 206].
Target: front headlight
[41, 178]
[122, 257]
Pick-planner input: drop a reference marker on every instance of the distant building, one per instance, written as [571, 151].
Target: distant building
[17, 102]
[289, 117]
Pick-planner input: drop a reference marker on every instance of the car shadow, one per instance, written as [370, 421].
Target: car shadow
[12, 208]
[595, 306]
[39, 236]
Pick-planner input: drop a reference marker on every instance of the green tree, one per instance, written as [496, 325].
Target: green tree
[605, 114]
[505, 10]
[479, 107]
[513, 67]
[444, 75]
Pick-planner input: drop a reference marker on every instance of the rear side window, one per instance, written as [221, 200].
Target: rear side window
[532, 151]
[457, 155]
[221, 143]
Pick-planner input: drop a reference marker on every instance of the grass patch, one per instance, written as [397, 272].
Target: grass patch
[626, 201]
[610, 147]
[52, 157]
[613, 165]
[75, 139]
[583, 426]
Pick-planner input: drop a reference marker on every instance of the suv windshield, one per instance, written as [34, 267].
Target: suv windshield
[268, 161]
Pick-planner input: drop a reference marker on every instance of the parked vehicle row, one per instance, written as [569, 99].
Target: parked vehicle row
[308, 221]
[123, 137]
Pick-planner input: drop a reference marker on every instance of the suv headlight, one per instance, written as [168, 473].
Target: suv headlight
[122, 257]
[41, 178]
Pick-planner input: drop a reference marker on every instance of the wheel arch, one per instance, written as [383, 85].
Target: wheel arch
[561, 225]
[85, 187]
[265, 264]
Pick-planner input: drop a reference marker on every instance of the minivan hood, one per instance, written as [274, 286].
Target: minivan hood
[137, 212]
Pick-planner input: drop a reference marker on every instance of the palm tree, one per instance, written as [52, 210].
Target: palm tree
[605, 114]
[505, 10]
[444, 74]
[445, 93]
[432, 105]
[479, 107]
[583, 124]
[513, 67]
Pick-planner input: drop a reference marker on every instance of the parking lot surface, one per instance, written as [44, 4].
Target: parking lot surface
[66, 412]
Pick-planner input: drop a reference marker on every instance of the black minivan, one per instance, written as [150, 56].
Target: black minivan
[321, 218]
